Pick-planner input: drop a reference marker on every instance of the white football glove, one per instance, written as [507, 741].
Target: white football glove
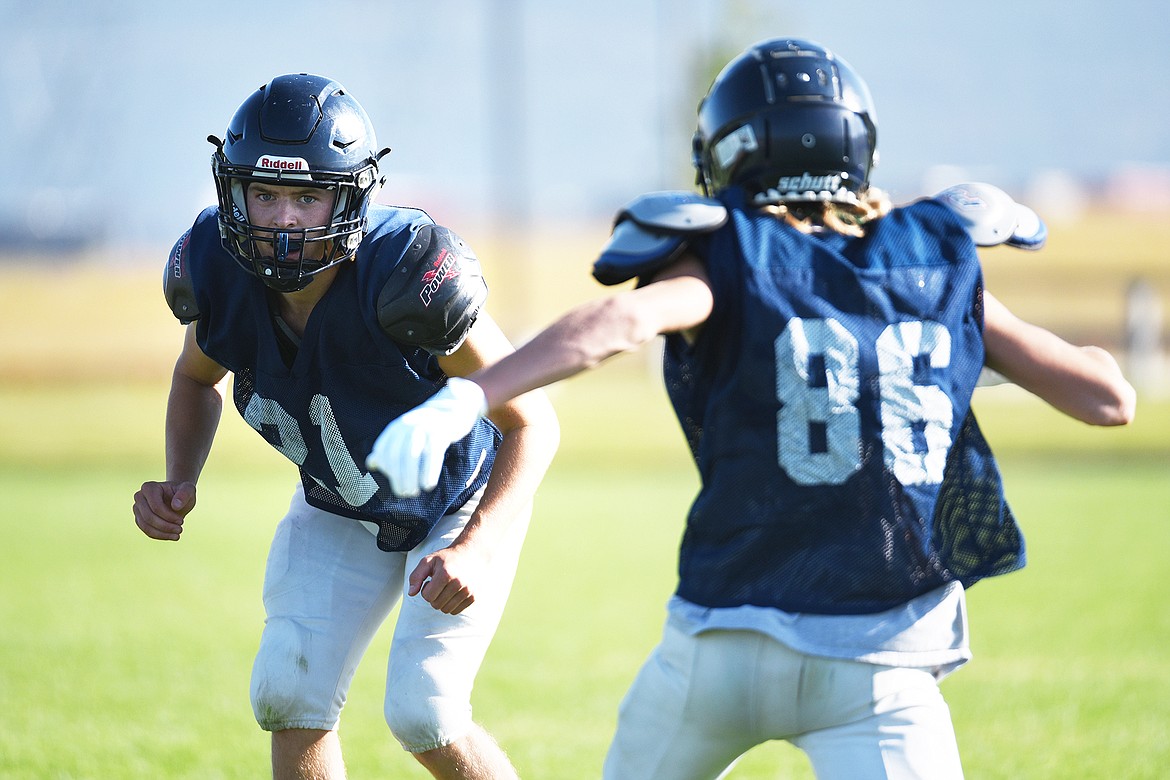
[410, 451]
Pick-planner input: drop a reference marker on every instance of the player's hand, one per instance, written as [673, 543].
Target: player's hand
[160, 507]
[411, 449]
[446, 578]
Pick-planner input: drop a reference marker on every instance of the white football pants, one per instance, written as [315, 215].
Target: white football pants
[700, 702]
[328, 588]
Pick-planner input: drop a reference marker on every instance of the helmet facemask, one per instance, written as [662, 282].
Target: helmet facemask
[264, 250]
[302, 131]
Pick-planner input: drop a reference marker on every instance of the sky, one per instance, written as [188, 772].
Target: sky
[537, 112]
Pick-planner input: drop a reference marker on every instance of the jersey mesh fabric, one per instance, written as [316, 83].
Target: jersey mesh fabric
[975, 531]
[403, 523]
[324, 406]
[827, 404]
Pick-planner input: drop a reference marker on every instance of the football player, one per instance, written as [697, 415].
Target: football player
[334, 315]
[821, 352]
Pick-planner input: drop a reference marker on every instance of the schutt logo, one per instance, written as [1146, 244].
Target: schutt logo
[808, 183]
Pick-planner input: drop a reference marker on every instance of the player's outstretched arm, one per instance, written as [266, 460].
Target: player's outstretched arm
[451, 578]
[410, 450]
[1083, 382]
[679, 299]
[193, 412]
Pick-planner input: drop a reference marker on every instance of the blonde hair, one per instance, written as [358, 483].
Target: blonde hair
[848, 219]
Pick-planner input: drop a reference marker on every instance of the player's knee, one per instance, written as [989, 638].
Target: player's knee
[279, 689]
[425, 723]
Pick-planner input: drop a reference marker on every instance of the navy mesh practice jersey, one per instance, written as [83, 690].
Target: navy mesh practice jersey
[348, 379]
[827, 405]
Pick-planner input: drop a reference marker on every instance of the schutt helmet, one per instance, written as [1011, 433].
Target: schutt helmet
[299, 130]
[787, 120]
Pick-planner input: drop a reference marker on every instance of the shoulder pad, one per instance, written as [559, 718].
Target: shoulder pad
[178, 288]
[675, 212]
[652, 231]
[993, 218]
[435, 293]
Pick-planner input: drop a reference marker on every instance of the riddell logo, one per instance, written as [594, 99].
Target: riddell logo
[442, 269]
[282, 163]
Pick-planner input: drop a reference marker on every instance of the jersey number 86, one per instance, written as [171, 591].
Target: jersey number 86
[818, 385]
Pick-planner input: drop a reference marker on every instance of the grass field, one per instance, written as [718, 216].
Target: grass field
[126, 658]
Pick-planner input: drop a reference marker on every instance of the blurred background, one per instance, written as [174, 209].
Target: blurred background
[524, 125]
[516, 110]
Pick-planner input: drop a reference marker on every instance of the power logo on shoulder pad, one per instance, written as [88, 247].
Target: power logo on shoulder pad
[445, 267]
[178, 254]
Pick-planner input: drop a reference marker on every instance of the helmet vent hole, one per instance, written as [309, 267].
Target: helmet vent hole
[808, 140]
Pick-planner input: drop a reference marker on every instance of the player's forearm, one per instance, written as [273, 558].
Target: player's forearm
[580, 340]
[1087, 385]
[530, 442]
[193, 414]
[1083, 382]
[679, 299]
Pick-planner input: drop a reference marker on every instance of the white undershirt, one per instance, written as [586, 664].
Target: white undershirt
[928, 632]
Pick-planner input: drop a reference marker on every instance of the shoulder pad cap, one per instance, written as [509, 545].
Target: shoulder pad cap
[675, 212]
[435, 293]
[652, 231]
[992, 217]
[178, 288]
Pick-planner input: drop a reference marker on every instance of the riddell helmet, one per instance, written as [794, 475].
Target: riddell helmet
[787, 120]
[299, 130]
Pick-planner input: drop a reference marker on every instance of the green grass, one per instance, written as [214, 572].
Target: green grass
[121, 657]
[130, 658]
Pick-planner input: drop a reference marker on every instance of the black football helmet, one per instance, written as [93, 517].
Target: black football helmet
[300, 130]
[787, 120]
